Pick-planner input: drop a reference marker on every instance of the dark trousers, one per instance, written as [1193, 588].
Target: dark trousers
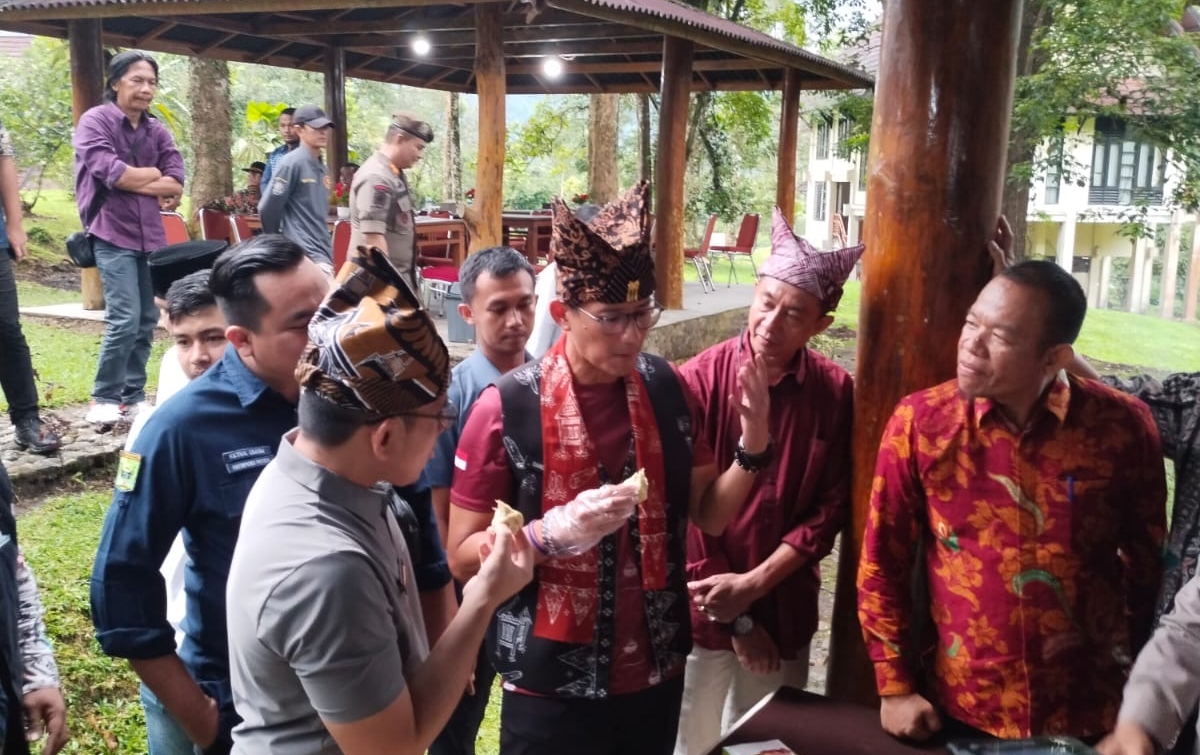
[16, 367]
[644, 723]
[458, 737]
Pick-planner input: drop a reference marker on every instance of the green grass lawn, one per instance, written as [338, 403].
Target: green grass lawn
[60, 540]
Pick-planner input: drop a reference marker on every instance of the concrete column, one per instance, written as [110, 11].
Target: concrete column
[1137, 272]
[1150, 251]
[1064, 253]
[1105, 281]
[1093, 279]
[1193, 281]
[1166, 298]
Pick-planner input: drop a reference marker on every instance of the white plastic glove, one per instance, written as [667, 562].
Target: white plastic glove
[576, 527]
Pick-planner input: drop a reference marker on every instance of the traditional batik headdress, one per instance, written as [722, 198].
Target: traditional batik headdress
[606, 259]
[372, 347]
[793, 260]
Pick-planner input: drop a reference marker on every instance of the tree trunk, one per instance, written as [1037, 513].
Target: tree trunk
[452, 153]
[1022, 145]
[645, 167]
[603, 175]
[212, 116]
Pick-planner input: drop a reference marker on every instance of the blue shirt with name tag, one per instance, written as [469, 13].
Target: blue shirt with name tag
[190, 469]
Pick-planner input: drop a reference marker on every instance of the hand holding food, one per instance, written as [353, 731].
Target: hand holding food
[507, 516]
[575, 527]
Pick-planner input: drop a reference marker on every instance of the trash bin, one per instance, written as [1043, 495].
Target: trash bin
[457, 328]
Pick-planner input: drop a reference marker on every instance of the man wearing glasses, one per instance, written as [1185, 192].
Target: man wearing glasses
[754, 589]
[592, 652]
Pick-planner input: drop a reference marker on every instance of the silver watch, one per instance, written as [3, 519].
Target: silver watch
[743, 625]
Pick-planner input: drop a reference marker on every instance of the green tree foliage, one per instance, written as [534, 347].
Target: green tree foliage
[35, 103]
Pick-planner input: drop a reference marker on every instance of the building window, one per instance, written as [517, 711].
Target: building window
[1125, 171]
[820, 200]
[1054, 163]
[845, 124]
[823, 139]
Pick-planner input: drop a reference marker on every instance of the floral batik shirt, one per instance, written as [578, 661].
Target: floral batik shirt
[1041, 551]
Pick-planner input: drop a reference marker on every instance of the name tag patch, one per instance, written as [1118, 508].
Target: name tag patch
[127, 471]
[247, 458]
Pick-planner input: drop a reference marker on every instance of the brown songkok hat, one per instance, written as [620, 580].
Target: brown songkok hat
[372, 347]
[793, 260]
[606, 259]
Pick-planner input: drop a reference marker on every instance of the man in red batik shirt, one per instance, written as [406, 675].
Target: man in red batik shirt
[1034, 502]
[754, 589]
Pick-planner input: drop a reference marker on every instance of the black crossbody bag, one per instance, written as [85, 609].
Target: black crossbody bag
[80, 244]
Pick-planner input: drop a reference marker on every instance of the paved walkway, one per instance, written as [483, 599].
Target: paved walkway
[83, 447]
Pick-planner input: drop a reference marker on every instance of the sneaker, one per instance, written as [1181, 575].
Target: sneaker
[131, 411]
[35, 437]
[102, 413]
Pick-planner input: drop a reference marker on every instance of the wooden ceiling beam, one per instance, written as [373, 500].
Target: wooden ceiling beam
[154, 33]
[207, 49]
[269, 53]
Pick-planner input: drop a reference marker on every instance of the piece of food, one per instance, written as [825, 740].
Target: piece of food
[507, 516]
[643, 485]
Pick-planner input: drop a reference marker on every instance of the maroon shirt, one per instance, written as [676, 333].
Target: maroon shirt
[801, 498]
[105, 145]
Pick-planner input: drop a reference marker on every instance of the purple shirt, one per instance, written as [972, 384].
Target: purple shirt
[801, 498]
[105, 145]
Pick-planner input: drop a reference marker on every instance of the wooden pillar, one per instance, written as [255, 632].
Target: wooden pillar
[87, 91]
[1193, 279]
[1166, 293]
[335, 107]
[938, 142]
[785, 179]
[668, 171]
[484, 216]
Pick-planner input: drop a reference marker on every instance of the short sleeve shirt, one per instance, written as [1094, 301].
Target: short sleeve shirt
[380, 202]
[324, 615]
[6, 150]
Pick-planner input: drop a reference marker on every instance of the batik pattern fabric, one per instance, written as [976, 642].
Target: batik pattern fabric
[796, 262]
[36, 653]
[608, 258]
[1175, 405]
[1040, 550]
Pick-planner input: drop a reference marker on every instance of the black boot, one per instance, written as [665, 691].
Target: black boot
[33, 436]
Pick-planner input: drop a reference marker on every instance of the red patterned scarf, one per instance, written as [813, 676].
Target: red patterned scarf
[569, 587]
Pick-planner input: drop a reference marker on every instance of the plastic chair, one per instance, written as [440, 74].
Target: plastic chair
[341, 243]
[699, 256]
[742, 246]
[241, 228]
[215, 226]
[436, 281]
[175, 227]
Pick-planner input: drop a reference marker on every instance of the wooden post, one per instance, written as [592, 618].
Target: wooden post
[938, 144]
[87, 90]
[1193, 279]
[785, 181]
[484, 216]
[335, 108]
[668, 171]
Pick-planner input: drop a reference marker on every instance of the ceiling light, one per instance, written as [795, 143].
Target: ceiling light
[552, 67]
[421, 46]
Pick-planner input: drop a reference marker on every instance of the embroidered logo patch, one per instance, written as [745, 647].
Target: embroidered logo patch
[127, 471]
[278, 186]
[247, 458]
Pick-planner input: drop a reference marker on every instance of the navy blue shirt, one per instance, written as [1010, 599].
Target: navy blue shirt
[200, 453]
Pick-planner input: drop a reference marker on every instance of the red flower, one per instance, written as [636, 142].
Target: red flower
[471, 193]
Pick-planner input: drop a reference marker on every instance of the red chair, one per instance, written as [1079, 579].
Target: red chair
[341, 243]
[743, 246]
[215, 226]
[699, 256]
[241, 228]
[175, 227]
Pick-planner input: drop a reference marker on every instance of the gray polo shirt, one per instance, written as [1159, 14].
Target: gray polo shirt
[296, 203]
[323, 611]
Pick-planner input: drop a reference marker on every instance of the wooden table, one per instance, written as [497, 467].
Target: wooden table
[441, 241]
[814, 725]
[528, 232]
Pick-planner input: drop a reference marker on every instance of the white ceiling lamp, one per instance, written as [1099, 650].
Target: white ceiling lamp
[421, 46]
[552, 66]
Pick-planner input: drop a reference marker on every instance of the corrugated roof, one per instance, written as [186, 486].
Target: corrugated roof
[605, 45]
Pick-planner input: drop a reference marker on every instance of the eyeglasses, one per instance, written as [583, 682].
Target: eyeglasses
[446, 417]
[612, 324]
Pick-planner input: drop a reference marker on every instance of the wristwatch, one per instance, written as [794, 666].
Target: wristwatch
[742, 625]
[753, 463]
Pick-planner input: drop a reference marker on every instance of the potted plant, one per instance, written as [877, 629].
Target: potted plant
[341, 199]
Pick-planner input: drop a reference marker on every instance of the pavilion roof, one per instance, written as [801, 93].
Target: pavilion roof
[605, 45]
